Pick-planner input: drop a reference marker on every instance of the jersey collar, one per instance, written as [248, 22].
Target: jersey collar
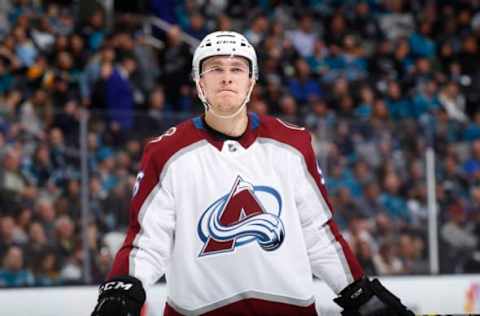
[216, 138]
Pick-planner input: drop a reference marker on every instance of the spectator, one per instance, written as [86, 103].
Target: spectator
[380, 64]
[359, 231]
[417, 205]
[259, 107]
[22, 222]
[447, 55]
[156, 121]
[453, 101]
[459, 240]
[68, 121]
[94, 31]
[61, 155]
[302, 87]
[175, 65]
[472, 165]
[93, 72]
[36, 114]
[473, 204]
[6, 78]
[256, 33]
[24, 49]
[364, 254]
[13, 273]
[197, 27]
[148, 69]
[7, 233]
[345, 207]
[370, 202]
[9, 108]
[97, 195]
[43, 36]
[71, 272]
[363, 21]
[320, 118]
[353, 55]
[289, 109]
[224, 23]
[365, 108]
[115, 208]
[303, 38]
[98, 97]
[386, 262]
[396, 22]
[393, 201]
[11, 178]
[410, 252]
[273, 94]
[363, 176]
[64, 237]
[425, 100]
[119, 94]
[338, 30]
[103, 262]
[78, 52]
[453, 179]
[45, 213]
[40, 169]
[398, 106]
[468, 55]
[421, 43]
[38, 244]
[384, 228]
[46, 272]
[472, 131]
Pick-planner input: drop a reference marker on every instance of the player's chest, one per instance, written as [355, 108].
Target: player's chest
[217, 169]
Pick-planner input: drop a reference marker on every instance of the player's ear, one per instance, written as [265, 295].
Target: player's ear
[201, 84]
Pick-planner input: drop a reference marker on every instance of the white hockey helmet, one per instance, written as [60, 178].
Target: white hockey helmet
[224, 43]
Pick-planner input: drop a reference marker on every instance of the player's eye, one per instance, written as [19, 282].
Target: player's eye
[217, 69]
[237, 70]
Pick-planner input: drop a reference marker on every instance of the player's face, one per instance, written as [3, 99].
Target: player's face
[225, 82]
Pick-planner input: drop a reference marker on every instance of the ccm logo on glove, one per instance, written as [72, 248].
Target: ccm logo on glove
[116, 285]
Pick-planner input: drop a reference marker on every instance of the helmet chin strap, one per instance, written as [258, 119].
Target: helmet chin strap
[209, 108]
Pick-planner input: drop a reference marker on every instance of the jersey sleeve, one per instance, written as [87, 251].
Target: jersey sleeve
[330, 256]
[147, 247]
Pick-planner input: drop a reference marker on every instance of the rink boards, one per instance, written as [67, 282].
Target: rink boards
[424, 295]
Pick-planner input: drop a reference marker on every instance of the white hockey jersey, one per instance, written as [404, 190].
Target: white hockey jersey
[237, 225]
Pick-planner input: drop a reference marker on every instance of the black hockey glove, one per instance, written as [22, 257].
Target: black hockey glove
[121, 296]
[370, 298]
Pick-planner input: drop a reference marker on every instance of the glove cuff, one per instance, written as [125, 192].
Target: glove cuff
[126, 286]
[355, 295]
[365, 297]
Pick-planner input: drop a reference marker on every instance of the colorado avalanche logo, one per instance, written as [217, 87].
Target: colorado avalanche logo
[239, 218]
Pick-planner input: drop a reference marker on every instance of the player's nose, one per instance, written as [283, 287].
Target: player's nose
[227, 77]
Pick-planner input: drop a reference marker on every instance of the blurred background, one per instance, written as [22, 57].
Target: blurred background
[389, 90]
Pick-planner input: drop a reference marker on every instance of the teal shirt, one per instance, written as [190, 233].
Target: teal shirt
[16, 279]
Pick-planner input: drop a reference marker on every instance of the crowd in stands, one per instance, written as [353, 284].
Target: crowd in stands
[376, 82]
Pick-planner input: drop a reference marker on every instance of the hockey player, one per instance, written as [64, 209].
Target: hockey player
[232, 208]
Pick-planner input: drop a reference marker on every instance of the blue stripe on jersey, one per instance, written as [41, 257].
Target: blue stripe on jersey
[198, 122]
[255, 120]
